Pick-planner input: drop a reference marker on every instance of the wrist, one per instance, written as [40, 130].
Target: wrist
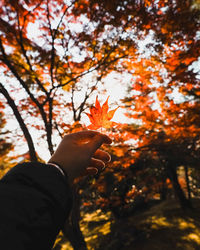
[58, 167]
[62, 170]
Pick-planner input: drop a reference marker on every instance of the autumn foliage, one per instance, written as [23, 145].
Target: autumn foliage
[55, 56]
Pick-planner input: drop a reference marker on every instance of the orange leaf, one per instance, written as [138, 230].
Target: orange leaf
[100, 116]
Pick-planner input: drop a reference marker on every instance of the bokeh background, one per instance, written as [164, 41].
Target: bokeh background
[57, 57]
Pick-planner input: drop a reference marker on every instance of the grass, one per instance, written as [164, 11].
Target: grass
[163, 227]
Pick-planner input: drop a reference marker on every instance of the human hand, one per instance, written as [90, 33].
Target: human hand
[79, 154]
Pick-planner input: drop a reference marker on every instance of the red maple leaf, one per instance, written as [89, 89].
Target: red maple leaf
[100, 116]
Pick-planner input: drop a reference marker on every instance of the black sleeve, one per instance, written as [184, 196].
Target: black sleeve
[35, 200]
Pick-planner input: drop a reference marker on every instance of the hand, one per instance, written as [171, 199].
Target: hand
[79, 153]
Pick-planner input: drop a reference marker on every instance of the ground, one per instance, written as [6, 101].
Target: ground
[163, 227]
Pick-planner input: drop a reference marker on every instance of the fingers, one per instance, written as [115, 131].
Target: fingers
[103, 138]
[102, 155]
[94, 167]
[98, 164]
[90, 171]
[97, 141]
[89, 139]
[84, 149]
[90, 134]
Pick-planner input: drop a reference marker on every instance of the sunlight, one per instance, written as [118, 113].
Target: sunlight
[97, 216]
[193, 237]
[182, 224]
[92, 237]
[95, 225]
[106, 228]
[160, 222]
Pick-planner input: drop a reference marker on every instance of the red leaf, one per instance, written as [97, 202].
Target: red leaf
[100, 116]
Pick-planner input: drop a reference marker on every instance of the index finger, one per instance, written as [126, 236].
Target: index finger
[97, 141]
[91, 135]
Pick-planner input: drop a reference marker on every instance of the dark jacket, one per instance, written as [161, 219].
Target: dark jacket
[35, 200]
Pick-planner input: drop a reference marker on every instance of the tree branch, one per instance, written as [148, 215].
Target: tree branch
[20, 120]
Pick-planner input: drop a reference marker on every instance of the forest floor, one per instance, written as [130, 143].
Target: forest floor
[162, 227]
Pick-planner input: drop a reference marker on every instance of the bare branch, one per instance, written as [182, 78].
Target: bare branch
[21, 122]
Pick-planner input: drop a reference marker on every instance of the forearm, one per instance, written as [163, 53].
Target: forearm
[35, 201]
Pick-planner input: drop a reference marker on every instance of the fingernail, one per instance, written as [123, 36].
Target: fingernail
[109, 158]
[96, 171]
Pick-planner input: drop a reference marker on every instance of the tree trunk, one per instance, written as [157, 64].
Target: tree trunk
[184, 202]
[163, 192]
[187, 183]
[20, 120]
[72, 228]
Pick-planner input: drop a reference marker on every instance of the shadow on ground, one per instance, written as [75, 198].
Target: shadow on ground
[163, 227]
